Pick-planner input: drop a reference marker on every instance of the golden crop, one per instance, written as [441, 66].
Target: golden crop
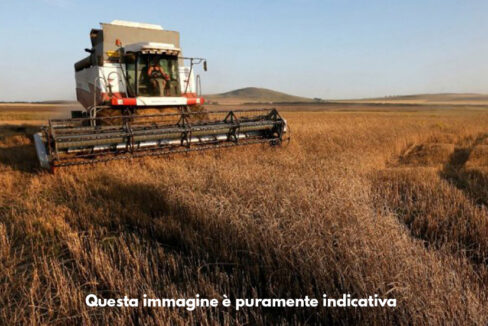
[388, 203]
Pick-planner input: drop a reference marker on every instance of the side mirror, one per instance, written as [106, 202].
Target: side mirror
[205, 65]
[90, 50]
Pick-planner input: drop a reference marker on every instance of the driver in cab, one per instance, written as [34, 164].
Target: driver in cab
[156, 78]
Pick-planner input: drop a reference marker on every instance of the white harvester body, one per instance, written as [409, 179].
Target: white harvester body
[103, 77]
[142, 100]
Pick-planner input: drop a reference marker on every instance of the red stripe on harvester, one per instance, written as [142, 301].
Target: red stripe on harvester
[195, 100]
[124, 101]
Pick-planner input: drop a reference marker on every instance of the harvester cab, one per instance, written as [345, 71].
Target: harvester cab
[136, 65]
[141, 98]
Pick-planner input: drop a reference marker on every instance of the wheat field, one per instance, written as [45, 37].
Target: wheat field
[389, 203]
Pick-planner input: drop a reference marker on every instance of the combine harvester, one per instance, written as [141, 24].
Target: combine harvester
[141, 100]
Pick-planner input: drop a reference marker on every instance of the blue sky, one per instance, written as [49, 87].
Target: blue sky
[317, 48]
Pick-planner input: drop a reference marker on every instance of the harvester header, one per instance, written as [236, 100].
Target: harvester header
[141, 100]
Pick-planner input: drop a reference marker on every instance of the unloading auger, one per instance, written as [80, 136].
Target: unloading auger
[140, 100]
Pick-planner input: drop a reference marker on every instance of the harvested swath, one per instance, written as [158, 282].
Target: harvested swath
[435, 211]
[478, 157]
[427, 154]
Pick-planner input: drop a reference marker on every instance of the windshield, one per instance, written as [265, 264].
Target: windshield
[154, 75]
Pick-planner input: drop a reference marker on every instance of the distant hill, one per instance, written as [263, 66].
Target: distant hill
[440, 98]
[56, 102]
[254, 95]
